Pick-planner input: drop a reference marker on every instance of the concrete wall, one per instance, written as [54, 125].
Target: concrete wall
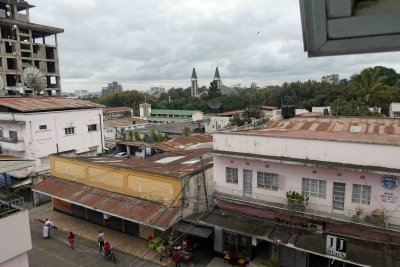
[216, 123]
[321, 150]
[197, 116]
[137, 184]
[16, 238]
[290, 178]
[18, 261]
[40, 143]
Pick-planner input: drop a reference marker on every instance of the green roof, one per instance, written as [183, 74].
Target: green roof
[173, 112]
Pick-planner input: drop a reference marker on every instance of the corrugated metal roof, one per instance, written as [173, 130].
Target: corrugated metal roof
[173, 112]
[117, 109]
[122, 122]
[231, 113]
[36, 104]
[178, 168]
[368, 130]
[193, 229]
[129, 208]
[183, 142]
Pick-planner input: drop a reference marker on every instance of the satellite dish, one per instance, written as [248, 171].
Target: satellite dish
[34, 79]
[214, 104]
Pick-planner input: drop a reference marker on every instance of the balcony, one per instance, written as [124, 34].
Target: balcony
[367, 218]
[12, 144]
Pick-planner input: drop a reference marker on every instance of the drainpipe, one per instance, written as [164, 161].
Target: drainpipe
[101, 135]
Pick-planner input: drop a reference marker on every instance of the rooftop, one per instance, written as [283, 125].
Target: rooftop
[268, 108]
[40, 104]
[117, 109]
[183, 142]
[122, 122]
[177, 164]
[363, 130]
[173, 112]
[231, 113]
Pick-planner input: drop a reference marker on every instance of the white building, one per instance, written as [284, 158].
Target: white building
[349, 169]
[82, 93]
[220, 121]
[120, 128]
[394, 110]
[36, 127]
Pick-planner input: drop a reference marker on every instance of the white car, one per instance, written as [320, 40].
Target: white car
[121, 155]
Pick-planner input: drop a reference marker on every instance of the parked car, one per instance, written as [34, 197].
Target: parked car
[121, 155]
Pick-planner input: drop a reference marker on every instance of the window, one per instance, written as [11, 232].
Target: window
[42, 127]
[1, 133]
[314, 187]
[69, 130]
[231, 175]
[361, 194]
[44, 161]
[92, 127]
[13, 136]
[267, 181]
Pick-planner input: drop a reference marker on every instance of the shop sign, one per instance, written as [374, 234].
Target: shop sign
[389, 182]
[336, 246]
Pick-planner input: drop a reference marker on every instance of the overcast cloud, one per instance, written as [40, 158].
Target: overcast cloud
[158, 42]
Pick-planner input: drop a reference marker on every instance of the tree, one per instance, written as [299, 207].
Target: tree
[214, 91]
[130, 136]
[391, 76]
[186, 131]
[358, 108]
[137, 136]
[156, 136]
[237, 120]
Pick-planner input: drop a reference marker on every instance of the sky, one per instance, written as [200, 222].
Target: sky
[149, 43]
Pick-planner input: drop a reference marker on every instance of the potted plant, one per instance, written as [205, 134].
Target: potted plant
[378, 217]
[297, 201]
[359, 211]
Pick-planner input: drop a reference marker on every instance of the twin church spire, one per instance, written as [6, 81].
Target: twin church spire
[194, 83]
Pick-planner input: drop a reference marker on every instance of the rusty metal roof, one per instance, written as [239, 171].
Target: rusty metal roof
[365, 130]
[268, 108]
[122, 122]
[118, 205]
[231, 113]
[38, 104]
[116, 109]
[176, 164]
[184, 142]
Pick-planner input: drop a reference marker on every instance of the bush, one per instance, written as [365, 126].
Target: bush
[297, 201]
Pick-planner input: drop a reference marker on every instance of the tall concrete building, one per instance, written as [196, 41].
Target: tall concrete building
[217, 78]
[195, 86]
[111, 88]
[24, 44]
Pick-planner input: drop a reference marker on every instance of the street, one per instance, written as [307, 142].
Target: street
[56, 252]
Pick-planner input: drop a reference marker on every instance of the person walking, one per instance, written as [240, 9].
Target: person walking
[71, 238]
[100, 240]
[49, 225]
[176, 256]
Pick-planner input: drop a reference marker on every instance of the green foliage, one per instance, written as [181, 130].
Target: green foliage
[136, 135]
[186, 131]
[213, 91]
[297, 201]
[273, 262]
[130, 135]
[250, 115]
[341, 107]
[156, 136]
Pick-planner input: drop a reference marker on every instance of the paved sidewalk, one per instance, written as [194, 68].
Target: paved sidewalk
[81, 228]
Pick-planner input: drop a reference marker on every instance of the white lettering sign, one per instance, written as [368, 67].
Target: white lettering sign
[336, 246]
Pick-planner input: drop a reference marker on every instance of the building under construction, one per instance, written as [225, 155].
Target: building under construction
[29, 53]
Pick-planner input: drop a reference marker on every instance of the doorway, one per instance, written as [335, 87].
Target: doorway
[247, 183]
[339, 190]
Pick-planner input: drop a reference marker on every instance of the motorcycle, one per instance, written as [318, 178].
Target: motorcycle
[110, 255]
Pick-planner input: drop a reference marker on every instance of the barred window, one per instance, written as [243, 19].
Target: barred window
[231, 175]
[267, 181]
[361, 194]
[69, 130]
[92, 127]
[314, 187]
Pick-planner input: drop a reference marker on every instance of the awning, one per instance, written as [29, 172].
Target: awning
[196, 230]
[22, 173]
[125, 207]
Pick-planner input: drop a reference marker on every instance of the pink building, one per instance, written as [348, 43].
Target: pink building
[345, 174]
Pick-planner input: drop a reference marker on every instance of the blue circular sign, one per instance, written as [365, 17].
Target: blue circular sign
[389, 182]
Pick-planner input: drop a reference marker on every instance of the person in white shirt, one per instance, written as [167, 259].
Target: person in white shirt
[49, 225]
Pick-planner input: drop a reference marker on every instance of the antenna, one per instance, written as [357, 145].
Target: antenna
[34, 79]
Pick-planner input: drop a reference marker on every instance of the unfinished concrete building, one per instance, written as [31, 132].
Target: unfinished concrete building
[29, 62]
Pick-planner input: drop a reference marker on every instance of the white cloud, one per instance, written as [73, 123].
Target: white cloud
[158, 42]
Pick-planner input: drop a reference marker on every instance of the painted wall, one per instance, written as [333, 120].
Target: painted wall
[40, 143]
[137, 184]
[216, 123]
[331, 151]
[290, 178]
[18, 261]
[15, 229]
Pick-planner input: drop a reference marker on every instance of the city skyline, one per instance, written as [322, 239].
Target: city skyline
[142, 45]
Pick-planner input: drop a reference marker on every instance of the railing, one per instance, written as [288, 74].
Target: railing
[10, 203]
[370, 218]
[10, 140]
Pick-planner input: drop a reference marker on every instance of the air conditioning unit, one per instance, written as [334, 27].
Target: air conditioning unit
[316, 228]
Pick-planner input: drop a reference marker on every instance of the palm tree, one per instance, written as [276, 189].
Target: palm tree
[370, 86]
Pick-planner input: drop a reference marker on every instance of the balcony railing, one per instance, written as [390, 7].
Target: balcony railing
[375, 219]
[10, 140]
[10, 203]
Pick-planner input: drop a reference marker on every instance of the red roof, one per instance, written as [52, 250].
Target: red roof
[118, 205]
[36, 104]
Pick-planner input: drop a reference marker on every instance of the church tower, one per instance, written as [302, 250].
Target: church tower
[217, 78]
[194, 86]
